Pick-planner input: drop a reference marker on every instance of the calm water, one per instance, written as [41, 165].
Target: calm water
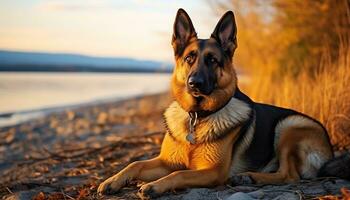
[33, 91]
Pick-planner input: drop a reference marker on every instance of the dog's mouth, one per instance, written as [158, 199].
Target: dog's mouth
[197, 95]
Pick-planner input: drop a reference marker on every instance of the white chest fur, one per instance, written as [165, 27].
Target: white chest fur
[210, 127]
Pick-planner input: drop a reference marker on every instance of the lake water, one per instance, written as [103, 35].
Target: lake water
[25, 95]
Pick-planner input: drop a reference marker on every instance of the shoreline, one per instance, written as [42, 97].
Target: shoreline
[6, 118]
[68, 153]
[23, 92]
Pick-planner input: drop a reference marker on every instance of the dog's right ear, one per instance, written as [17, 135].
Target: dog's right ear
[183, 32]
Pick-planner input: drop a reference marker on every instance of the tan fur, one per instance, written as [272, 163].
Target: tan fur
[239, 165]
[202, 164]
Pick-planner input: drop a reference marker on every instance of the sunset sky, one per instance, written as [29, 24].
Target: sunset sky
[136, 28]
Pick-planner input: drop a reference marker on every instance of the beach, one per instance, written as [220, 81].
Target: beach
[66, 154]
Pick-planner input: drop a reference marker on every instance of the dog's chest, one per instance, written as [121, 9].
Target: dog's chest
[214, 135]
[204, 156]
[209, 128]
[199, 156]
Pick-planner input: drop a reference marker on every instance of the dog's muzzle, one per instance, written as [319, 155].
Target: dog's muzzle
[197, 86]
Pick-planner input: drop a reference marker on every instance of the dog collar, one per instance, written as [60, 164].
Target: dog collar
[191, 138]
[206, 113]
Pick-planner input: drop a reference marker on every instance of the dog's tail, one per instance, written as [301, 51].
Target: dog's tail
[336, 167]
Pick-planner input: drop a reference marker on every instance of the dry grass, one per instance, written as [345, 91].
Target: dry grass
[326, 96]
[299, 58]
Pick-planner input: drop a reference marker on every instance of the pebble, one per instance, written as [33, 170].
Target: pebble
[240, 196]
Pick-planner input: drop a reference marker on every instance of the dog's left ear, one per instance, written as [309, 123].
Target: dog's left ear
[225, 33]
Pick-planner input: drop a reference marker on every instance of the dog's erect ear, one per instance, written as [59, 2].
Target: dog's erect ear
[183, 31]
[225, 33]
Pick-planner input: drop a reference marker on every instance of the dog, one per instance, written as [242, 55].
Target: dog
[216, 134]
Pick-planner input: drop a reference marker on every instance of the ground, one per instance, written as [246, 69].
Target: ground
[66, 154]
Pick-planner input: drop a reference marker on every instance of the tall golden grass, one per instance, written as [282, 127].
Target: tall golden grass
[298, 56]
[324, 96]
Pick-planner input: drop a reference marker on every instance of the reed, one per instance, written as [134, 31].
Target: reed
[324, 96]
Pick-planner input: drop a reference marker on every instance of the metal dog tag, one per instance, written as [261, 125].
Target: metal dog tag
[190, 138]
[192, 123]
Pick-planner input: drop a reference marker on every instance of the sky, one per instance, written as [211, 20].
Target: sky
[138, 29]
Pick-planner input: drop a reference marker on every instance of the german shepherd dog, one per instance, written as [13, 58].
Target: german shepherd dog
[215, 133]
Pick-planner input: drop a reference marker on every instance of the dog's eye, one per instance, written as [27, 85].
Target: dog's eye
[190, 58]
[213, 60]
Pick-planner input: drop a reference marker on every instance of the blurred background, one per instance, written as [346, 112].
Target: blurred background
[83, 83]
[48, 46]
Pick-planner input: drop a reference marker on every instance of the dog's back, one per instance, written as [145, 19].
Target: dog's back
[258, 146]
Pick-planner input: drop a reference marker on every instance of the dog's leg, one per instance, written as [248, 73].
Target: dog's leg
[287, 172]
[148, 170]
[181, 179]
[301, 153]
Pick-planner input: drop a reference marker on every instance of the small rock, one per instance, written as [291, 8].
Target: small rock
[245, 188]
[10, 137]
[81, 124]
[287, 196]
[239, 196]
[54, 123]
[102, 118]
[70, 115]
[258, 194]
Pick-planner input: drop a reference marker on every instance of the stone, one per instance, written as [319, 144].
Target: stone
[240, 196]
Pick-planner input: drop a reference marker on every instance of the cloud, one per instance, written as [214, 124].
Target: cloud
[77, 5]
[93, 5]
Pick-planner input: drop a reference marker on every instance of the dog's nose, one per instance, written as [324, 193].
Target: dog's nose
[195, 82]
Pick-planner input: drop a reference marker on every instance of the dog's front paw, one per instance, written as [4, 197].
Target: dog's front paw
[149, 191]
[241, 179]
[110, 186]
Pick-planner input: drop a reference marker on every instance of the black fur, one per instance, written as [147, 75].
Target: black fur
[202, 69]
[261, 149]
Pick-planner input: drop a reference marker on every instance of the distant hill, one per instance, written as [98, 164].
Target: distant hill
[60, 62]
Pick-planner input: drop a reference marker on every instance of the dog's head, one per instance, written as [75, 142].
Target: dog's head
[204, 78]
